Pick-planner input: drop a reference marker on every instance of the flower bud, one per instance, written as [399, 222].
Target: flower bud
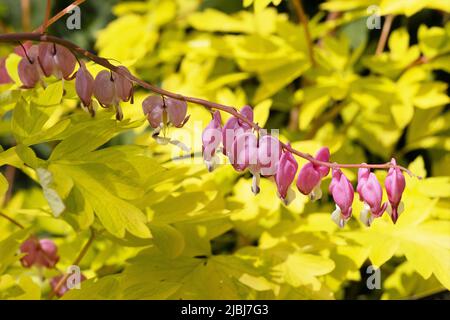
[39, 252]
[311, 175]
[370, 192]
[176, 110]
[84, 85]
[163, 111]
[342, 191]
[308, 181]
[395, 185]
[287, 168]
[104, 88]
[56, 60]
[269, 153]
[123, 86]
[261, 156]
[20, 50]
[211, 139]
[153, 107]
[28, 69]
[247, 112]
[4, 76]
[235, 127]
[244, 151]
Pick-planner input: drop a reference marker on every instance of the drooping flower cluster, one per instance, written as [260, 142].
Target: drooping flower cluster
[265, 156]
[259, 154]
[246, 148]
[49, 59]
[43, 253]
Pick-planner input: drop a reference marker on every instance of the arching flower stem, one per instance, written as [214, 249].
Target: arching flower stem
[15, 37]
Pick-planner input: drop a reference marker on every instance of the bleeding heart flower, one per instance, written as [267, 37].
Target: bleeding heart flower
[20, 50]
[244, 151]
[123, 86]
[28, 69]
[110, 88]
[395, 185]
[162, 111]
[211, 138]
[234, 127]
[311, 175]
[39, 252]
[153, 107]
[4, 76]
[176, 111]
[104, 88]
[287, 168]
[64, 287]
[342, 191]
[84, 85]
[57, 60]
[371, 193]
[261, 156]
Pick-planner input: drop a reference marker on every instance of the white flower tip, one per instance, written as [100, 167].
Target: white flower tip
[336, 215]
[290, 196]
[365, 215]
[337, 218]
[156, 131]
[316, 194]
[212, 164]
[255, 183]
[389, 210]
[401, 208]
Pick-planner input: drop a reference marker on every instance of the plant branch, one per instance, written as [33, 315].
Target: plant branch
[58, 16]
[303, 19]
[15, 37]
[25, 6]
[76, 262]
[12, 220]
[48, 9]
[384, 34]
[10, 174]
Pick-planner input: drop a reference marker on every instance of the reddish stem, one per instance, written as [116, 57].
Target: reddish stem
[76, 262]
[12, 220]
[384, 34]
[25, 6]
[48, 8]
[14, 37]
[303, 19]
[57, 16]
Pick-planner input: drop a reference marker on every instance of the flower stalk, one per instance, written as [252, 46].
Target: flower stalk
[15, 37]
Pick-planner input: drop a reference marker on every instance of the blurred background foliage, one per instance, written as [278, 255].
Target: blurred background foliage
[211, 237]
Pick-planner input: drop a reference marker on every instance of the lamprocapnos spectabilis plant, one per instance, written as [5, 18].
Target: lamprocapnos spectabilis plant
[102, 175]
[243, 142]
